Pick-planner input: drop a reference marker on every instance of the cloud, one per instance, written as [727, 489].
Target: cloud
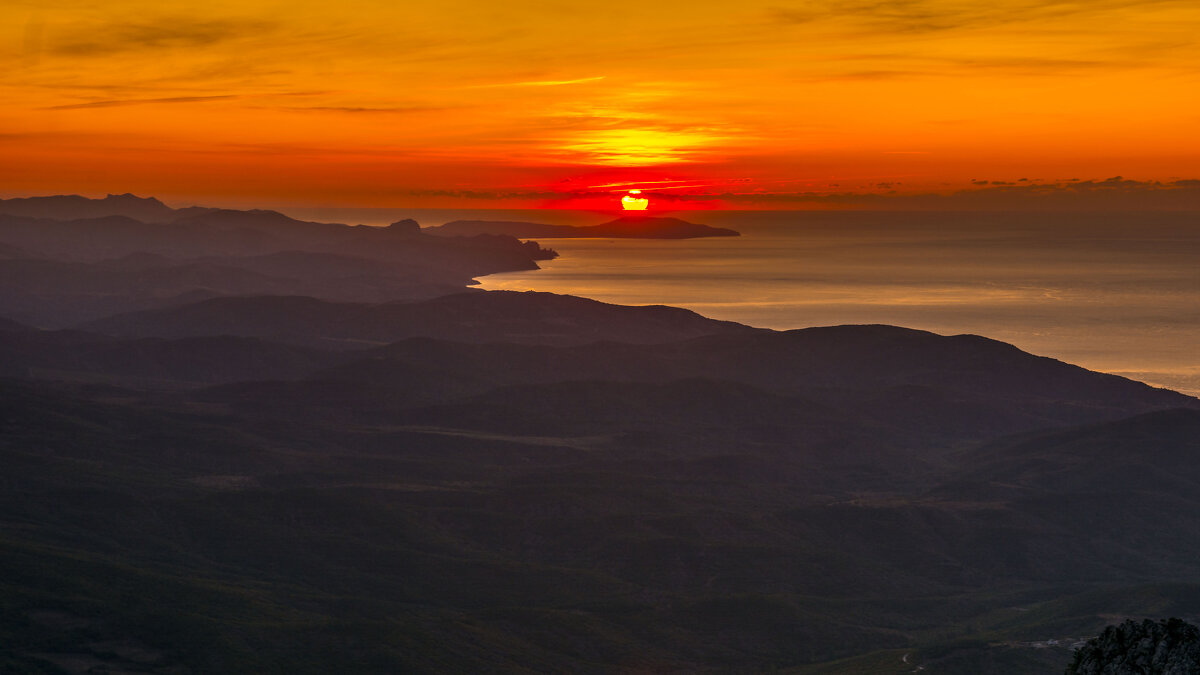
[904, 16]
[1114, 193]
[366, 110]
[51, 136]
[162, 34]
[537, 83]
[658, 184]
[1033, 65]
[140, 101]
[931, 16]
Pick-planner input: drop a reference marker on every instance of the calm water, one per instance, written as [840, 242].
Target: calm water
[1113, 292]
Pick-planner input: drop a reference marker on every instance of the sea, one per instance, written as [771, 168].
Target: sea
[1117, 292]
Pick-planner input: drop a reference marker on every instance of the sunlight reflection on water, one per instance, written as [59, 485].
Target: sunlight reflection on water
[1117, 293]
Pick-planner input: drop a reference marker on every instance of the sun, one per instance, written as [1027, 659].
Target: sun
[631, 203]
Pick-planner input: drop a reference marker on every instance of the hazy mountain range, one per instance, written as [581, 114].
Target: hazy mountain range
[62, 264]
[260, 480]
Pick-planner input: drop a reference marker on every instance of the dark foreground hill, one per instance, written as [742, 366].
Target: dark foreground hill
[378, 480]
[1154, 648]
[717, 499]
[493, 316]
[152, 362]
[920, 383]
[146, 535]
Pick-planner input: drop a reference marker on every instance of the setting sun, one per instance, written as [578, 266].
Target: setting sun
[633, 203]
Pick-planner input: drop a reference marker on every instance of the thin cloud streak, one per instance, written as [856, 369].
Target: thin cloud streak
[165, 33]
[365, 110]
[538, 83]
[900, 17]
[1116, 192]
[141, 101]
[639, 182]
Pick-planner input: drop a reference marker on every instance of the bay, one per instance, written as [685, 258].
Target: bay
[1114, 292]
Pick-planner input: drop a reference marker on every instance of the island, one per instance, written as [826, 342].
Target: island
[630, 227]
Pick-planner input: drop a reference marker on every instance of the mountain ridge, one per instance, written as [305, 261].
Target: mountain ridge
[522, 482]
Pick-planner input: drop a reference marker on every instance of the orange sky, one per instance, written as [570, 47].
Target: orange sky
[379, 103]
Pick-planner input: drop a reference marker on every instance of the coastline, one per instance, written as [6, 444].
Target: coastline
[1116, 303]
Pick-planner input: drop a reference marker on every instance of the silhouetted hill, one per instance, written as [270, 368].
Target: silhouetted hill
[672, 538]
[907, 362]
[657, 228]
[13, 253]
[130, 240]
[527, 482]
[8, 325]
[73, 207]
[94, 258]
[223, 232]
[154, 362]
[52, 293]
[916, 383]
[100, 237]
[540, 318]
[204, 360]
[1156, 452]
[638, 227]
[717, 523]
[519, 229]
[785, 439]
